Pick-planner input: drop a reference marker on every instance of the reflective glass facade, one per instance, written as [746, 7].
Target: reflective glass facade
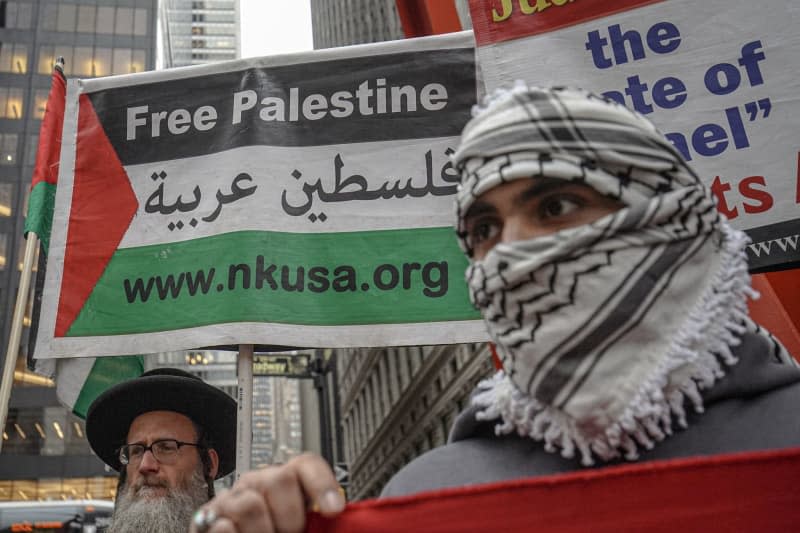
[197, 32]
[45, 453]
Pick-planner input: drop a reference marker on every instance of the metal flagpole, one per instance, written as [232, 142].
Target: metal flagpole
[244, 417]
[32, 242]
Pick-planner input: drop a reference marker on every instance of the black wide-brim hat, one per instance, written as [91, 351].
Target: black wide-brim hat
[164, 389]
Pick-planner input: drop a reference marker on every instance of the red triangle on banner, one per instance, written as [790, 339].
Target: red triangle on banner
[103, 206]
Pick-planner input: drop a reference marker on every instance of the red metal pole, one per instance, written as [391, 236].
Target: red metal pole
[428, 17]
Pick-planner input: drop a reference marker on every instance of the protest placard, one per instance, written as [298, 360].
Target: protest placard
[298, 200]
[719, 78]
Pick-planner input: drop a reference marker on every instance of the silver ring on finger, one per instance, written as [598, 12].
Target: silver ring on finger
[203, 519]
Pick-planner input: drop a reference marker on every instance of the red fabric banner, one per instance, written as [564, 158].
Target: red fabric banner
[755, 491]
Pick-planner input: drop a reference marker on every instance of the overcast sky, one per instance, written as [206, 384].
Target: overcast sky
[275, 26]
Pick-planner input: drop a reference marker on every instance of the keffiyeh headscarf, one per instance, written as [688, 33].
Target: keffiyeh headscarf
[603, 329]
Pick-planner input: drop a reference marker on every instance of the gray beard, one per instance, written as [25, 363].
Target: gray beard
[135, 513]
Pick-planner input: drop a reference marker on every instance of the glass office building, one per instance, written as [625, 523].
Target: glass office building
[196, 32]
[45, 453]
[345, 22]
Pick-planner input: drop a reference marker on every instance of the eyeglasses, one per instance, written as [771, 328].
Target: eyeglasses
[165, 451]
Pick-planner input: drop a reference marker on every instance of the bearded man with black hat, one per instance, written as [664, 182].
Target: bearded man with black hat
[169, 435]
[616, 295]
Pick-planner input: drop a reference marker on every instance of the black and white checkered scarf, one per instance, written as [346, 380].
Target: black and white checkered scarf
[605, 329]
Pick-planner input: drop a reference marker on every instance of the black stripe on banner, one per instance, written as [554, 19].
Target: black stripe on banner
[409, 95]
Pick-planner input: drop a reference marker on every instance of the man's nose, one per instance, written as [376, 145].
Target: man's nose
[516, 228]
[148, 462]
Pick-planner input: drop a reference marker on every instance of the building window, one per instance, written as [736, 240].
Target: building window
[3, 251]
[87, 62]
[48, 14]
[105, 20]
[101, 65]
[67, 17]
[13, 58]
[15, 15]
[94, 19]
[47, 58]
[6, 199]
[8, 148]
[11, 103]
[86, 18]
[44, 431]
[124, 21]
[140, 21]
[55, 489]
[121, 61]
[30, 149]
[137, 63]
[83, 61]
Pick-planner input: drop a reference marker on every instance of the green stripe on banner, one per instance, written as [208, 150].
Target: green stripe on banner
[40, 212]
[372, 277]
[106, 372]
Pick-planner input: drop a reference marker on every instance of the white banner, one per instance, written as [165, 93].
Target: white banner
[719, 78]
[301, 200]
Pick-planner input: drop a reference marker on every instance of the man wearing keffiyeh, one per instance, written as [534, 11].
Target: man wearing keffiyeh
[616, 295]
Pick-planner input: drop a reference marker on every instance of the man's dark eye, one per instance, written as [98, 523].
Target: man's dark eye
[558, 206]
[167, 446]
[480, 232]
[135, 450]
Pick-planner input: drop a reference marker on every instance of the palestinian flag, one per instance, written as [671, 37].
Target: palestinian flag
[45, 173]
[39, 219]
[80, 380]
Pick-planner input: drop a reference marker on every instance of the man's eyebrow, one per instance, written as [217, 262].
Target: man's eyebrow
[144, 441]
[541, 186]
[538, 187]
[479, 208]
